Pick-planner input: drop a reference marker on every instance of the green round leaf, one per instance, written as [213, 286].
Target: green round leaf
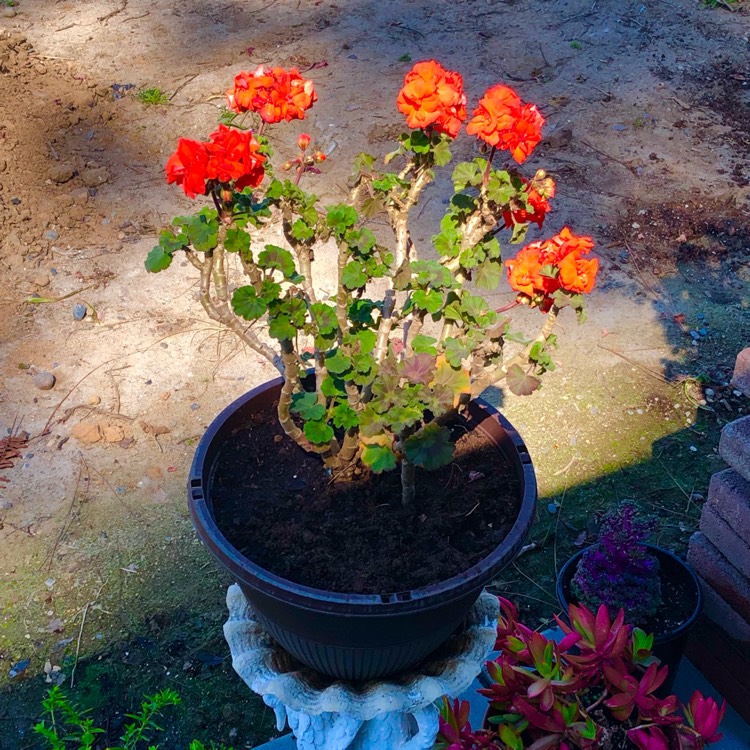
[379, 458]
[318, 432]
[158, 259]
[353, 275]
[247, 304]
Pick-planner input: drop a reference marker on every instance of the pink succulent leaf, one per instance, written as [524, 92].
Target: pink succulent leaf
[548, 723]
[704, 715]
[650, 738]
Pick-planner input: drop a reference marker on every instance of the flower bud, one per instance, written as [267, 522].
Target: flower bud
[287, 166]
[319, 156]
[303, 141]
[226, 195]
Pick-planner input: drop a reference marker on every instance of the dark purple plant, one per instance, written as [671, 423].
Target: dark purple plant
[619, 571]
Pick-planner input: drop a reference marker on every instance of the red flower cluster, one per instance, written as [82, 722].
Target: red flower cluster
[541, 268]
[275, 94]
[231, 156]
[504, 121]
[433, 96]
[538, 192]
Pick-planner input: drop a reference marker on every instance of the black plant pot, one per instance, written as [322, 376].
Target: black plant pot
[355, 636]
[668, 646]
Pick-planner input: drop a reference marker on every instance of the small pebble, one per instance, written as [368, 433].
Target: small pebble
[703, 332]
[695, 335]
[79, 312]
[51, 234]
[41, 280]
[8, 13]
[44, 381]
[94, 400]
[709, 391]
[193, 407]
[94, 177]
[61, 173]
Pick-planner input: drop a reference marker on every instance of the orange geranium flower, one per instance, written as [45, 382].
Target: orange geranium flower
[560, 256]
[188, 167]
[577, 274]
[433, 96]
[504, 121]
[233, 157]
[524, 273]
[276, 94]
[558, 247]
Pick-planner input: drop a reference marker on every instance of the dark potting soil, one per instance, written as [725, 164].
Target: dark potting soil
[277, 505]
[677, 605]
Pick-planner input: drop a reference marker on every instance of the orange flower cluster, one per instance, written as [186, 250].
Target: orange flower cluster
[537, 204]
[275, 94]
[231, 156]
[433, 96]
[502, 120]
[541, 268]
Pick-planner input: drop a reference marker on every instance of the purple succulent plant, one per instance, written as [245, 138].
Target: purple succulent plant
[620, 571]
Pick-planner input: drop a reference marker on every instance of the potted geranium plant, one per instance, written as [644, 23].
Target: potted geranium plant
[657, 591]
[380, 369]
[595, 688]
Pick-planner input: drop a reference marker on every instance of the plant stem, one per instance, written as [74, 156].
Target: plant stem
[291, 384]
[399, 215]
[342, 296]
[222, 314]
[407, 483]
[488, 168]
[386, 323]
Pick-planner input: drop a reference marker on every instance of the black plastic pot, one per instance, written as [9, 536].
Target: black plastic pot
[355, 636]
[668, 647]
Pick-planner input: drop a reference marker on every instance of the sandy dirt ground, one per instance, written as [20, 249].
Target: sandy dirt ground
[648, 136]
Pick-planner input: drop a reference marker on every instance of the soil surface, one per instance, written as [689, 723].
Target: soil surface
[103, 586]
[279, 506]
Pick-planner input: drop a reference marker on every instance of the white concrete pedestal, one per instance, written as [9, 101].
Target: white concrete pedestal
[394, 714]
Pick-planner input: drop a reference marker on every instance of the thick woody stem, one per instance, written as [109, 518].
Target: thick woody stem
[399, 217]
[407, 483]
[342, 297]
[321, 373]
[493, 375]
[291, 385]
[386, 324]
[303, 253]
[350, 444]
[219, 269]
[411, 330]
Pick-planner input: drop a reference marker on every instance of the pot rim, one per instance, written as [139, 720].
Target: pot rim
[435, 594]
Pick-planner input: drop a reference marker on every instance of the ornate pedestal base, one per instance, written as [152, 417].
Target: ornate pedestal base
[328, 715]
